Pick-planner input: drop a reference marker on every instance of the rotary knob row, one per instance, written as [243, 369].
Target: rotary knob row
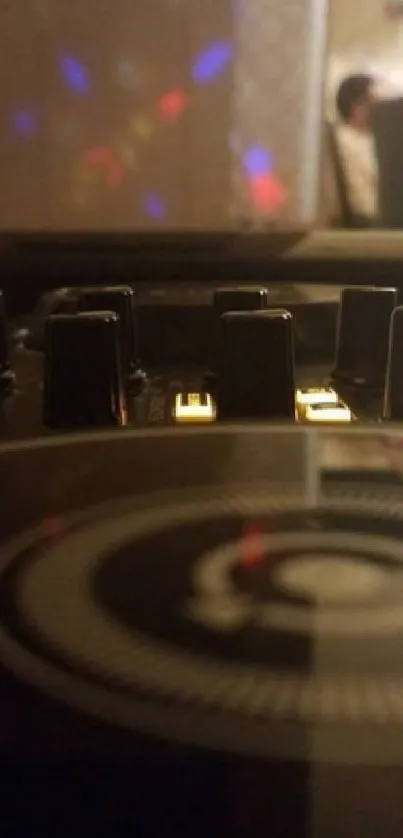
[255, 366]
[91, 359]
[92, 355]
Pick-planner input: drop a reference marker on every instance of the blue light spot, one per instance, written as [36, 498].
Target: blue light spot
[25, 123]
[154, 206]
[257, 160]
[211, 62]
[74, 73]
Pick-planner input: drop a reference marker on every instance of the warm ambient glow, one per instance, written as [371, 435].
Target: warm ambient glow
[312, 396]
[328, 413]
[194, 407]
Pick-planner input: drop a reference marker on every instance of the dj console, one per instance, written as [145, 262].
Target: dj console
[201, 619]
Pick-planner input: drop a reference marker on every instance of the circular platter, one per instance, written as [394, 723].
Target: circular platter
[231, 611]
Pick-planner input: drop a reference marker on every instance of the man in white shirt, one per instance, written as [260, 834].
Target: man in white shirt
[356, 146]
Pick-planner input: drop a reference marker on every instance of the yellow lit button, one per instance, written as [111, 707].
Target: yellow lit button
[194, 407]
[313, 395]
[338, 412]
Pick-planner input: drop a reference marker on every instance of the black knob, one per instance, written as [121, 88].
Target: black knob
[239, 299]
[83, 382]
[256, 366]
[7, 376]
[363, 337]
[232, 299]
[393, 396]
[57, 301]
[121, 300]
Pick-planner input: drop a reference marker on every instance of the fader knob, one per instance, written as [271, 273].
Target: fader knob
[121, 300]
[240, 299]
[232, 299]
[363, 337]
[83, 383]
[256, 366]
[393, 397]
[6, 374]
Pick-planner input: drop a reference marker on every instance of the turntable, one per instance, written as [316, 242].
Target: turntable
[228, 595]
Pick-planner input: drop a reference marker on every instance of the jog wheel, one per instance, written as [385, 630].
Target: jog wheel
[167, 598]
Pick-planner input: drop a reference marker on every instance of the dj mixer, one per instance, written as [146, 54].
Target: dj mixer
[201, 618]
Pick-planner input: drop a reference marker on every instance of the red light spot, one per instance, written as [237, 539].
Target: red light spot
[172, 104]
[105, 160]
[266, 192]
[252, 547]
[52, 527]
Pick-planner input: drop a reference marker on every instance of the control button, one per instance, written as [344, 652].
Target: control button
[121, 300]
[393, 397]
[7, 376]
[83, 383]
[337, 413]
[193, 407]
[256, 366]
[363, 337]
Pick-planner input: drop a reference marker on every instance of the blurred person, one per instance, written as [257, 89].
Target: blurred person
[356, 146]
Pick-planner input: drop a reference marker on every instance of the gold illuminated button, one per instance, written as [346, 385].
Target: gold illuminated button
[338, 413]
[316, 395]
[193, 407]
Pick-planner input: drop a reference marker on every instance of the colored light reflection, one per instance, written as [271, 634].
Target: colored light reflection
[52, 527]
[252, 552]
[266, 193]
[172, 104]
[211, 62]
[257, 161]
[75, 74]
[104, 160]
[25, 122]
[154, 206]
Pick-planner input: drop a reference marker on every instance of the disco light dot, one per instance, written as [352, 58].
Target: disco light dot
[257, 160]
[211, 62]
[142, 127]
[154, 206]
[106, 161]
[75, 74]
[172, 104]
[25, 123]
[266, 193]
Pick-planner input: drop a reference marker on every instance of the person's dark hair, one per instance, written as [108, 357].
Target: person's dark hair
[351, 92]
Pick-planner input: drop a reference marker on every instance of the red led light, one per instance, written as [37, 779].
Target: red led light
[52, 527]
[107, 161]
[251, 545]
[172, 104]
[266, 192]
